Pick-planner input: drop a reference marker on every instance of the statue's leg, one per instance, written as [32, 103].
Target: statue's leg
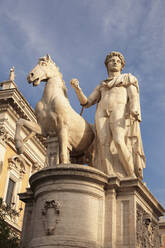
[32, 126]
[104, 137]
[125, 156]
[63, 142]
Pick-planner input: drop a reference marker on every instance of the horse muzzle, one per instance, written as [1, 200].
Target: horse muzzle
[34, 81]
[29, 79]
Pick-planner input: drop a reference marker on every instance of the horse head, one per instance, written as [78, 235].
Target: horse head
[44, 70]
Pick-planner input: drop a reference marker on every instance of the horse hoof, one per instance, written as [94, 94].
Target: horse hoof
[20, 150]
[19, 147]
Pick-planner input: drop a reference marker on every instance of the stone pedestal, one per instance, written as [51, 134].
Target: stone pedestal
[65, 208]
[131, 215]
[79, 206]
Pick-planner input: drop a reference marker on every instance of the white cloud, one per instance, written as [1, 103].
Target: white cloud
[35, 39]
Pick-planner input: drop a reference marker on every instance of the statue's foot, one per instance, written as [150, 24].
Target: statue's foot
[132, 175]
[140, 174]
[112, 174]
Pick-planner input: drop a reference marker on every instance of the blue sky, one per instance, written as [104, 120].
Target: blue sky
[78, 34]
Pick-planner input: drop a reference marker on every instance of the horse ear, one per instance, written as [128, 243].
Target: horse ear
[48, 58]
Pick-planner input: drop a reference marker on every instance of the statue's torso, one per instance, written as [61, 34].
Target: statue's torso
[112, 99]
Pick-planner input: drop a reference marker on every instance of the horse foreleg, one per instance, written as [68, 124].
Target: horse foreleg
[31, 126]
[63, 144]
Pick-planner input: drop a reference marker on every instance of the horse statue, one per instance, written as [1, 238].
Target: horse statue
[55, 116]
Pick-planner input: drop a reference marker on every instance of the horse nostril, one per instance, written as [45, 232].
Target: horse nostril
[32, 74]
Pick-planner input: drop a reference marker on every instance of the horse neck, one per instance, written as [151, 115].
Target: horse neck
[53, 87]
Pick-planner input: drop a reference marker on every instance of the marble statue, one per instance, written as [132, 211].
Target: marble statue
[117, 118]
[55, 116]
[12, 74]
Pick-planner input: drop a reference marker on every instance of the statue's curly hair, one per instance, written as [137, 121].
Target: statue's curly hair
[113, 53]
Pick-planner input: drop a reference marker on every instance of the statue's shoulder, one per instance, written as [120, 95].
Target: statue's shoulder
[97, 88]
[129, 77]
[102, 84]
[130, 80]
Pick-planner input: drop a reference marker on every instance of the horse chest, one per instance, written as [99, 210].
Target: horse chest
[40, 109]
[42, 112]
[44, 118]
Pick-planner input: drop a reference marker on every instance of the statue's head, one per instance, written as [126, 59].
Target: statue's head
[12, 69]
[115, 54]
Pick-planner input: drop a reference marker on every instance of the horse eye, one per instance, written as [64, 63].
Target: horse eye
[43, 63]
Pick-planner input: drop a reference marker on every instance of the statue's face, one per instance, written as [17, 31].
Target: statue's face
[114, 64]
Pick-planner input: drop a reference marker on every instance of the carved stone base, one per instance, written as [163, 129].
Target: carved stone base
[131, 215]
[65, 208]
[79, 206]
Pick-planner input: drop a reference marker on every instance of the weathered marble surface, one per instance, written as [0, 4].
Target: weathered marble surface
[55, 116]
[78, 192]
[118, 145]
[115, 147]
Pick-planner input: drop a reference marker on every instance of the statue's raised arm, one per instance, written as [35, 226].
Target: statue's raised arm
[84, 101]
[75, 85]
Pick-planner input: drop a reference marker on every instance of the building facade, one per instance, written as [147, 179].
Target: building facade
[162, 232]
[15, 169]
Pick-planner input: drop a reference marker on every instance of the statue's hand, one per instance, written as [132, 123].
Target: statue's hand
[135, 113]
[75, 83]
[82, 98]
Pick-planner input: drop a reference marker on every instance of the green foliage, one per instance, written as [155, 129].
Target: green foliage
[8, 236]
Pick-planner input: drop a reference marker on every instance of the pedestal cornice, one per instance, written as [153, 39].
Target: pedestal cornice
[78, 172]
[135, 185]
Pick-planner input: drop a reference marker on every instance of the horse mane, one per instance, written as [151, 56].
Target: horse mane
[63, 82]
[48, 59]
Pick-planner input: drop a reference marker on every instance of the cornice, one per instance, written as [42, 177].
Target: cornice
[132, 185]
[14, 102]
[30, 156]
[18, 102]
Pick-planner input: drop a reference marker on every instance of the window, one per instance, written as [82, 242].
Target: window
[16, 171]
[10, 191]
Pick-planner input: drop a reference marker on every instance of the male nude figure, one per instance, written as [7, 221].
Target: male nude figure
[117, 99]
